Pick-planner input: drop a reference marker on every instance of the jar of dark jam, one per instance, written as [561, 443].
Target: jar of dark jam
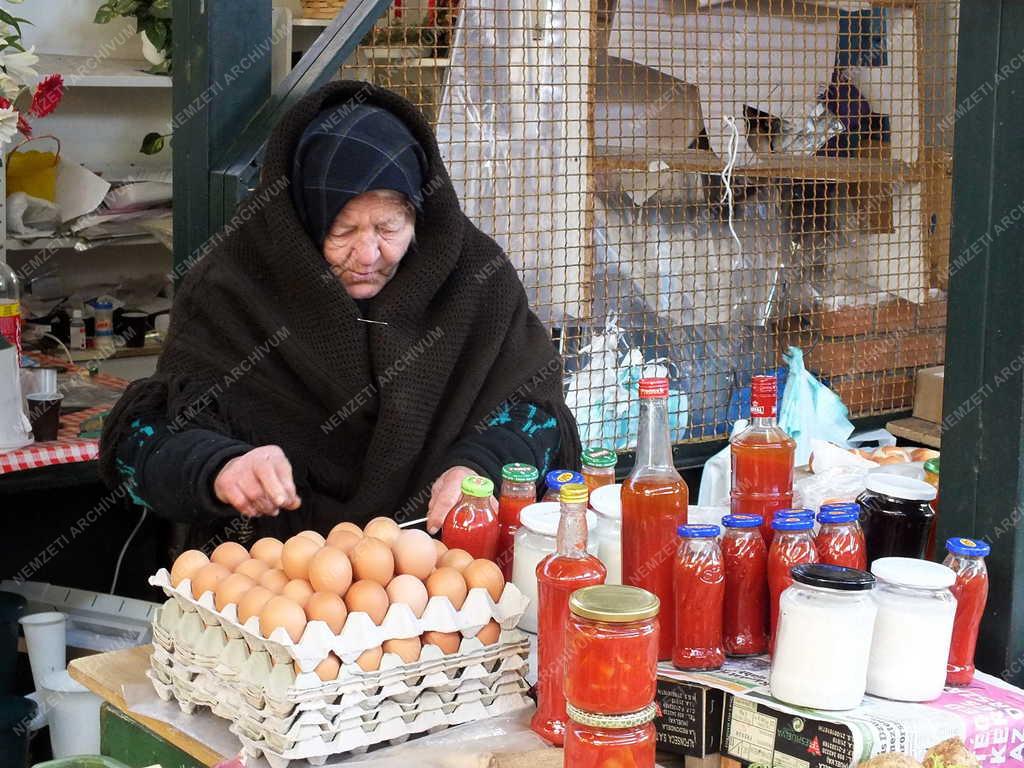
[896, 515]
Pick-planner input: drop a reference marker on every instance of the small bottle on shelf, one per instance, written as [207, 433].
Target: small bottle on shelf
[699, 592]
[77, 331]
[745, 607]
[472, 525]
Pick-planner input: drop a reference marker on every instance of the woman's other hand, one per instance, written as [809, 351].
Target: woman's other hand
[445, 494]
[258, 483]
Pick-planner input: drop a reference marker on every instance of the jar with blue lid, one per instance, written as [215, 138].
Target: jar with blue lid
[556, 478]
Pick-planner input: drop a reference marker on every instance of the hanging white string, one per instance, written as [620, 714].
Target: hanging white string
[730, 163]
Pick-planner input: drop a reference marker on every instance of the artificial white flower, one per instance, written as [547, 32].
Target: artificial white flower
[8, 124]
[9, 87]
[19, 64]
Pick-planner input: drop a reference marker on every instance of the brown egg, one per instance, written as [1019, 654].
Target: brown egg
[343, 540]
[231, 590]
[490, 633]
[383, 528]
[486, 574]
[328, 669]
[350, 527]
[282, 612]
[230, 554]
[448, 582]
[186, 565]
[274, 580]
[370, 598]
[923, 454]
[369, 661]
[441, 549]
[410, 591]
[415, 553]
[268, 550]
[328, 608]
[330, 571]
[298, 590]
[252, 568]
[455, 558]
[252, 603]
[295, 556]
[408, 649]
[313, 536]
[372, 559]
[448, 642]
[207, 578]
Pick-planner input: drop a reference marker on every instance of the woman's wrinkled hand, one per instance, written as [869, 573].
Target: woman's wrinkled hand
[258, 483]
[445, 494]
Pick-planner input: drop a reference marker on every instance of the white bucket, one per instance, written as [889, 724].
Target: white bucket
[46, 640]
[74, 713]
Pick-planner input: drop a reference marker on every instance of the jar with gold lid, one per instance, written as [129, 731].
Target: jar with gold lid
[598, 741]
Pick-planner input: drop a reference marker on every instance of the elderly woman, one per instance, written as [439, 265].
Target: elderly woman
[353, 346]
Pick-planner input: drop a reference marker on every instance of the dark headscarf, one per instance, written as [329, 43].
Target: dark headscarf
[349, 150]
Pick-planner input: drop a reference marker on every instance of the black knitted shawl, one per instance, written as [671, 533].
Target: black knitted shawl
[265, 346]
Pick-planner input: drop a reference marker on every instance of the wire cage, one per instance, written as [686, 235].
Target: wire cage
[691, 187]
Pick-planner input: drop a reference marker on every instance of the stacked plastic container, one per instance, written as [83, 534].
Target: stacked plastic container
[280, 707]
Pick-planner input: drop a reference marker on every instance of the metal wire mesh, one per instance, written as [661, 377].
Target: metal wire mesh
[692, 186]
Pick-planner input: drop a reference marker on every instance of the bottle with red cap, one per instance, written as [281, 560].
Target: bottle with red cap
[655, 500]
[762, 460]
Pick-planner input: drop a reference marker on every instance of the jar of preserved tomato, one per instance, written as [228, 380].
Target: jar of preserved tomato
[518, 490]
[472, 524]
[599, 467]
[601, 741]
[699, 587]
[556, 478]
[840, 540]
[792, 545]
[745, 606]
[611, 649]
[896, 516]
[967, 560]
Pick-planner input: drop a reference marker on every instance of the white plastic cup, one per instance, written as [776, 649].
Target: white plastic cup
[46, 640]
[74, 714]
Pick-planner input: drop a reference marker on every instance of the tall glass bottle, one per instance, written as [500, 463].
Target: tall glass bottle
[10, 306]
[568, 568]
[655, 500]
[762, 460]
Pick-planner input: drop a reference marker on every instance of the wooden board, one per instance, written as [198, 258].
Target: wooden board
[917, 430]
[105, 673]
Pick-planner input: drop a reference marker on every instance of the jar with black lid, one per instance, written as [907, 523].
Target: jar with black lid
[896, 516]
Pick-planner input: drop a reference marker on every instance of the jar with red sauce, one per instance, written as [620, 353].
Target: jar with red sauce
[967, 560]
[568, 568]
[599, 467]
[611, 662]
[610, 741]
[556, 478]
[699, 586]
[472, 524]
[793, 545]
[840, 540]
[518, 490]
[745, 606]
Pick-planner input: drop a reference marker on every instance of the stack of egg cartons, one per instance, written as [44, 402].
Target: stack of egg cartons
[280, 708]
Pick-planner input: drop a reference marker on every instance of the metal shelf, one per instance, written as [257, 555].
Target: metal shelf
[95, 72]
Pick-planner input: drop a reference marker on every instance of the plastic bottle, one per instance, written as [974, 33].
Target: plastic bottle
[77, 331]
[10, 306]
[103, 311]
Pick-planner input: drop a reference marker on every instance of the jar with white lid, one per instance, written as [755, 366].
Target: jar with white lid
[607, 502]
[535, 540]
[913, 630]
[823, 644]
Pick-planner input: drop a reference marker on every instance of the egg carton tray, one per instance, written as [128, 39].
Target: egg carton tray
[359, 633]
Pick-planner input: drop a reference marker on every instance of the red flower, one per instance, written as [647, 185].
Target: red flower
[23, 126]
[48, 95]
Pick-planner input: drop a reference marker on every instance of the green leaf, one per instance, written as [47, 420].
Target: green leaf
[161, 69]
[156, 31]
[161, 9]
[104, 14]
[125, 7]
[152, 144]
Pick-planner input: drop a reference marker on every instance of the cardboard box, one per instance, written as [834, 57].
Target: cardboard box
[691, 718]
[928, 394]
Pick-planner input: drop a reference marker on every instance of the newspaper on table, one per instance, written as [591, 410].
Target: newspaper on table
[988, 714]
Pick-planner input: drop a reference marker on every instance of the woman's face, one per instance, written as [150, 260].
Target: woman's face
[367, 241]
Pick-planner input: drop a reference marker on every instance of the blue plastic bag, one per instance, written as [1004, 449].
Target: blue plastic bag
[810, 410]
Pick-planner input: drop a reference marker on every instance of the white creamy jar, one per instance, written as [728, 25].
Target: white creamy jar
[607, 502]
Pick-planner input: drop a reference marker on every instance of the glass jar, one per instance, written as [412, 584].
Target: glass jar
[896, 516]
[518, 490]
[967, 560]
[599, 467]
[606, 501]
[472, 524]
[826, 619]
[745, 607]
[840, 540]
[602, 741]
[792, 545]
[611, 661]
[931, 476]
[699, 588]
[556, 478]
[534, 541]
[913, 630]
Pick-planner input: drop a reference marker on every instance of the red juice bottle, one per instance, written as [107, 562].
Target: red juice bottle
[762, 460]
[745, 611]
[967, 560]
[568, 568]
[792, 545]
[655, 501]
[699, 583]
[518, 490]
[840, 540]
[472, 524]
